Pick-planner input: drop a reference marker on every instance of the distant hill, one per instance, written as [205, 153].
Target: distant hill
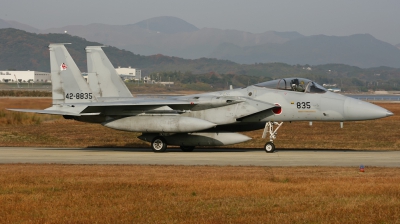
[398, 46]
[361, 50]
[288, 35]
[177, 38]
[17, 25]
[166, 24]
[20, 50]
[170, 36]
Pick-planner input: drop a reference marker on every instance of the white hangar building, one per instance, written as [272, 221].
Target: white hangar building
[129, 73]
[24, 76]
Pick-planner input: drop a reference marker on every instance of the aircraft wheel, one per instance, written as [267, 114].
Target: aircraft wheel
[187, 148]
[269, 147]
[158, 144]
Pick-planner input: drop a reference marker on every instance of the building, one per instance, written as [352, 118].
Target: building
[129, 73]
[148, 80]
[24, 76]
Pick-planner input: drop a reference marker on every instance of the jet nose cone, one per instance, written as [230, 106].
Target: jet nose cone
[389, 113]
[359, 110]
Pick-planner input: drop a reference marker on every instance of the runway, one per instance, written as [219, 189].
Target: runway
[220, 157]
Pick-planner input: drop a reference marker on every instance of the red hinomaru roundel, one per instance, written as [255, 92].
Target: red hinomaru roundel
[63, 67]
[277, 109]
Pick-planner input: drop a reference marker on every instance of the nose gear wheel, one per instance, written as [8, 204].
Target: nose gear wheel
[269, 147]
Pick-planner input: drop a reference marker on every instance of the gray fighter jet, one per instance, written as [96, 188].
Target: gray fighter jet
[209, 119]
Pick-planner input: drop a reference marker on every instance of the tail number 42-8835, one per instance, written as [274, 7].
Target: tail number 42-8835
[78, 96]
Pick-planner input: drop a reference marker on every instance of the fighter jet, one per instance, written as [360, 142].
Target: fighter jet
[208, 119]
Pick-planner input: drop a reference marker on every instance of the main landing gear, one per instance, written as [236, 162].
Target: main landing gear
[160, 145]
[269, 147]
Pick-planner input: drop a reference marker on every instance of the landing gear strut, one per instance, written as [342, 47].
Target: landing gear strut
[269, 147]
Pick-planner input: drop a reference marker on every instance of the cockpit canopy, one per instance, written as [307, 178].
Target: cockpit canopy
[294, 84]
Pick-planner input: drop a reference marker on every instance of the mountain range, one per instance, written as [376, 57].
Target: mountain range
[175, 37]
[362, 50]
[170, 36]
[21, 50]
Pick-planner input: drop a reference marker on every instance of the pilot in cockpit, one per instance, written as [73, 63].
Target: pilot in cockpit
[296, 85]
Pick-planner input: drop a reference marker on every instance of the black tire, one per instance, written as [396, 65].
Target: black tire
[187, 148]
[269, 147]
[158, 144]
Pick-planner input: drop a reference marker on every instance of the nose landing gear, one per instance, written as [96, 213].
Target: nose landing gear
[269, 147]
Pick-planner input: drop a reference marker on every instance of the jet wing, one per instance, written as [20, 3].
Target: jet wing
[144, 102]
[96, 108]
[147, 104]
[53, 112]
[138, 104]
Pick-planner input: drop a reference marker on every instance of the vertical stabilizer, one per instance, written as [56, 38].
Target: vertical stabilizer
[102, 73]
[94, 85]
[68, 84]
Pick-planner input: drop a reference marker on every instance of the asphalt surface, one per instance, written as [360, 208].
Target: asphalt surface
[221, 157]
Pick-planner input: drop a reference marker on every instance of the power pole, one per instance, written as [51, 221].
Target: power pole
[16, 80]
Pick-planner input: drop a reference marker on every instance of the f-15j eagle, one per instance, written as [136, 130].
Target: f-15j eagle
[208, 119]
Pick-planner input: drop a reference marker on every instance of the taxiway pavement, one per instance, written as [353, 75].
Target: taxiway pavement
[221, 157]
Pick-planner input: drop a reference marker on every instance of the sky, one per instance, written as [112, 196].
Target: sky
[380, 18]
